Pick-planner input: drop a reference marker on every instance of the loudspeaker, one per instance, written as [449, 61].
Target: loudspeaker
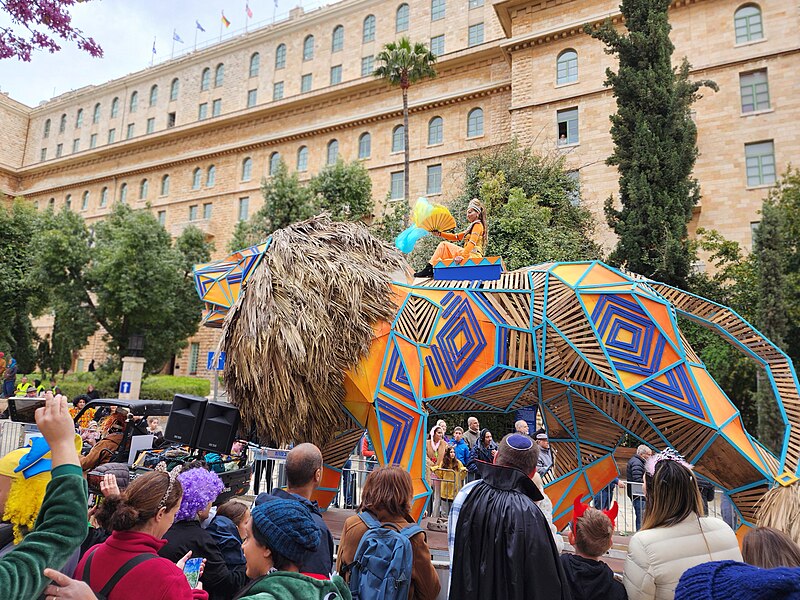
[185, 419]
[219, 429]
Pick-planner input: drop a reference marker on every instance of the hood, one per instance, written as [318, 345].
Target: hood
[296, 586]
[588, 578]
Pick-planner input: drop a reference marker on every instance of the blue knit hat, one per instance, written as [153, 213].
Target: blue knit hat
[734, 580]
[287, 526]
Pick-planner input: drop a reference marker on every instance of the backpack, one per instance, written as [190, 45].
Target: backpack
[381, 568]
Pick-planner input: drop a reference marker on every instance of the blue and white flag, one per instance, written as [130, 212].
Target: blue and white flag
[200, 27]
[176, 37]
[154, 45]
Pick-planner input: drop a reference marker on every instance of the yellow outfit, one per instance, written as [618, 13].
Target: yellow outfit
[473, 246]
[449, 478]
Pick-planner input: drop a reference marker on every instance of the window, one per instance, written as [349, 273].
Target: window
[211, 176]
[143, 187]
[207, 207]
[333, 152]
[435, 131]
[274, 162]
[574, 193]
[244, 205]
[475, 36]
[205, 79]
[151, 125]
[170, 120]
[337, 39]
[162, 217]
[51, 204]
[93, 141]
[367, 65]
[437, 45]
[401, 18]
[85, 200]
[196, 175]
[475, 122]
[280, 56]
[76, 145]
[154, 95]
[68, 202]
[202, 111]
[277, 90]
[475, 3]
[194, 356]
[43, 155]
[397, 184]
[112, 135]
[123, 193]
[96, 114]
[103, 197]
[567, 67]
[755, 91]
[255, 63]
[368, 32]
[748, 25]
[134, 102]
[174, 87]
[114, 107]
[46, 133]
[305, 83]
[219, 75]
[308, 48]
[62, 124]
[437, 10]
[216, 107]
[193, 212]
[398, 141]
[567, 126]
[364, 145]
[760, 160]
[434, 179]
[165, 185]
[129, 132]
[59, 150]
[247, 169]
[79, 119]
[302, 159]
[252, 98]
[336, 74]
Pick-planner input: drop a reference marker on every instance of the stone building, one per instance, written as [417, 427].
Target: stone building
[190, 139]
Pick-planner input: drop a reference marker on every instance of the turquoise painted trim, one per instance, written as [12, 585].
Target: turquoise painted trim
[705, 447]
[578, 283]
[512, 406]
[564, 425]
[748, 486]
[618, 384]
[761, 469]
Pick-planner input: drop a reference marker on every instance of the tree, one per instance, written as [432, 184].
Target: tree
[40, 23]
[344, 190]
[655, 144]
[402, 64]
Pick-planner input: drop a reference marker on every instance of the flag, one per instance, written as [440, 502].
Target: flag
[176, 37]
[225, 20]
[276, 3]
[200, 27]
[247, 10]
[154, 45]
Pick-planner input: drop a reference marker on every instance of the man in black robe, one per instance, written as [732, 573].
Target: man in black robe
[503, 545]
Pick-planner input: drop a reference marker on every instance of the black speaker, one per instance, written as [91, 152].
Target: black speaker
[219, 429]
[185, 419]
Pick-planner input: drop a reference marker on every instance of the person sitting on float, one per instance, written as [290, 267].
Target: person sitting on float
[476, 235]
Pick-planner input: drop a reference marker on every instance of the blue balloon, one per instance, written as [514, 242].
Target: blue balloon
[406, 241]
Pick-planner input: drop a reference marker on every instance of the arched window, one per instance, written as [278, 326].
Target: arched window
[85, 200]
[302, 159]
[196, 175]
[401, 20]
[337, 40]
[62, 124]
[96, 114]
[365, 145]
[134, 101]
[154, 95]
[103, 197]
[211, 176]
[748, 23]
[247, 169]
[46, 133]
[475, 122]
[123, 193]
[68, 202]
[51, 204]
[368, 33]
[398, 141]
[567, 67]
[308, 47]
[280, 56]
[274, 161]
[143, 187]
[333, 152]
[79, 118]
[219, 75]
[173, 89]
[205, 79]
[165, 185]
[255, 62]
[435, 131]
[114, 107]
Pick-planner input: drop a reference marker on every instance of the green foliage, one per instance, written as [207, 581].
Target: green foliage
[154, 387]
[392, 223]
[344, 190]
[655, 144]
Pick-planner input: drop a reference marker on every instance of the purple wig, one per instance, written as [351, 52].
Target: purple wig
[199, 488]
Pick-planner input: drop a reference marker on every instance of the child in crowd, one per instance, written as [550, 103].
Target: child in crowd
[451, 473]
[768, 548]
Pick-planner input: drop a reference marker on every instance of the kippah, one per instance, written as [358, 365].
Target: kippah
[517, 441]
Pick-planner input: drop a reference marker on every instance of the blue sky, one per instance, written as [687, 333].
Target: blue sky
[125, 30]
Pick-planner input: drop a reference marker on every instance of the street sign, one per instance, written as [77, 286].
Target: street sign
[124, 387]
[220, 361]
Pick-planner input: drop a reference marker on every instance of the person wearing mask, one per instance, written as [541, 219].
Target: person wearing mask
[484, 450]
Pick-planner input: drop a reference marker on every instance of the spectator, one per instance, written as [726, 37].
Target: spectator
[460, 444]
[138, 518]
[387, 496]
[10, 378]
[154, 429]
[435, 448]
[768, 548]
[674, 537]
[303, 474]
[521, 426]
[110, 437]
[485, 450]
[104, 411]
[443, 424]
[472, 433]
[228, 528]
[91, 368]
[546, 458]
[86, 417]
[22, 387]
[92, 393]
[450, 475]
[602, 500]
[731, 580]
[634, 473]
[502, 546]
[91, 434]
[280, 534]
[707, 493]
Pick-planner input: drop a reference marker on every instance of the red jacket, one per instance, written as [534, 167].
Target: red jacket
[155, 579]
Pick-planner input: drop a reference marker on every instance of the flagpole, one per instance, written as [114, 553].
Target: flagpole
[195, 38]
[153, 54]
[172, 52]
[246, 18]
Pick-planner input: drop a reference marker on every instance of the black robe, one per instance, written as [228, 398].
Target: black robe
[503, 546]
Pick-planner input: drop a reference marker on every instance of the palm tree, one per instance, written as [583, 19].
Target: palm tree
[402, 64]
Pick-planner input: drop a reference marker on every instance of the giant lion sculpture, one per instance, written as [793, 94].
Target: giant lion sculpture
[323, 343]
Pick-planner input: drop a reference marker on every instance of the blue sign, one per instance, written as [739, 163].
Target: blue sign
[220, 361]
[124, 387]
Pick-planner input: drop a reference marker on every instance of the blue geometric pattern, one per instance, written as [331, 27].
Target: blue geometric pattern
[396, 378]
[459, 342]
[402, 427]
[677, 393]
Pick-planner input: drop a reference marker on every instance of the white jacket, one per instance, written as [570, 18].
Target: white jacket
[658, 557]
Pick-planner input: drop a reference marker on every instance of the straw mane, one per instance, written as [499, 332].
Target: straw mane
[304, 317]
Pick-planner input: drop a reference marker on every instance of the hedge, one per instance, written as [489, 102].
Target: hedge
[154, 387]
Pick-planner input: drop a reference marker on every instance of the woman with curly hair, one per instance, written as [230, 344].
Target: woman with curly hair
[111, 429]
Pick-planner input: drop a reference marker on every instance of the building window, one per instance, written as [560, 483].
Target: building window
[475, 123]
[76, 145]
[435, 131]
[96, 114]
[85, 200]
[165, 185]
[333, 152]
[247, 169]
[760, 160]
[93, 141]
[68, 202]
[398, 141]
[174, 87]
[194, 356]
[364, 145]
[337, 39]
[567, 121]
[367, 65]
[129, 132]
[162, 217]
[219, 75]
[51, 204]
[114, 108]
[196, 177]
[437, 45]
[211, 176]
[207, 207]
[302, 159]
[475, 36]
[255, 62]
[336, 74]
[368, 32]
[79, 119]
[216, 107]
[277, 90]
[574, 194]
[46, 133]
[567, 67]
[401, 18]
[170, 120]
[59, 150]
[308, 48]
[280, 56]
[274, 163]
[305, 83]
[397, 184]
[475, 3]
[244, 205]
[144, 185]
[437, 10]
[151, 125]
[43, 155]
[205, 79]
[123, 193]
[154, 95]
[748, 24]
[62, 124]
[134, 102]
[252, 98]
[755, 91]
[193, 212]
[434, 179]
[112, 135]
[202, 111]
[104, 197]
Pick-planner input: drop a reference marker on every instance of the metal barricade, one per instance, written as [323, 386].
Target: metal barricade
[354, 475]
[11, 436]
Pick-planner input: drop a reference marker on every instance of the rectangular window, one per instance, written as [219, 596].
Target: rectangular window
[336, 74]
[162, 217]
[367, 65]
[93, 141]
[567, 126]
[755, 91]
[76, 145]
[151, 125]
[277, 90]
[216, 107]
[434, 179]
[202, 111]
[193, 212]
[207, 210]
[475, 34]
[59, 150]
[305, 83]
[170, 120]
[252, 98]
[760, 160]
[753, 230]
[437, 10]
[244, 206]
[437, 45]
[397, 191]
[43, 155]
[475, 3]
[112, 135]
[574, 194]
[129, 133]
[194, 355]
